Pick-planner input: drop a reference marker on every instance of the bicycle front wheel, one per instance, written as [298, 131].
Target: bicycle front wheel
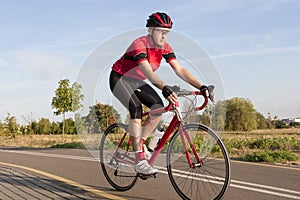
[116, 157]
[207, 179]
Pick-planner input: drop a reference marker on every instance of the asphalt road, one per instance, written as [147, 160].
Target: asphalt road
[79, 169]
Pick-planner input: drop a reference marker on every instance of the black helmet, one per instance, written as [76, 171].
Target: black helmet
[159, 20]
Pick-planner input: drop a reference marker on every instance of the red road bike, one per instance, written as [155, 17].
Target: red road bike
[197, 161]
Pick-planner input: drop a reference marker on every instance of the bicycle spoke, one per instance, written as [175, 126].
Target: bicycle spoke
[206, 180]
[115, 158]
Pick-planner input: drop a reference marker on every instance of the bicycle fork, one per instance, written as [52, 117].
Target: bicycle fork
[184, 135]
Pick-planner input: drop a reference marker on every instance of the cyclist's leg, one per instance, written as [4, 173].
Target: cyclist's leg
[124, 89]
[149, 97]
[150, 126]
[141, 165]
[134, 128]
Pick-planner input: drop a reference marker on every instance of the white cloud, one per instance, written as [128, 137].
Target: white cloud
[258, 52]
[29, 81]
[43, 66]
[243, 7]
[3, 63]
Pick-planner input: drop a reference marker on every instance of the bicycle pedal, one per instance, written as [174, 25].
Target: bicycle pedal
[146, 176]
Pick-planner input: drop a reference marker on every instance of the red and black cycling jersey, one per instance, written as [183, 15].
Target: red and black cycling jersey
[142, 49]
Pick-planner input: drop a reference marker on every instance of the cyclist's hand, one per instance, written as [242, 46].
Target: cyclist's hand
[169, 94]
[204, 91]
[208, 91]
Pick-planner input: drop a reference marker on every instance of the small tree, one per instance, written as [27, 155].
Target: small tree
[100, 117]
[44, 126]
[270, 121]
[11, 126]
[1, 127]
[67, 99]
[55, 129]
[240, 115]
[260, 121]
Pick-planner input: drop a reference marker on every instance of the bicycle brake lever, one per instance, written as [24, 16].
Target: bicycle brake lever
[211, 93]
[175, 88]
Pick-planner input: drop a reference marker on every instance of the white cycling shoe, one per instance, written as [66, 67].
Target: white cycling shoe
[143, 167]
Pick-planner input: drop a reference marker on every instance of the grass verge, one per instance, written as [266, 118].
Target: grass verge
[256, 146]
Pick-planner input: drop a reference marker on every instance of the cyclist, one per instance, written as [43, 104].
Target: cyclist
[138, 63]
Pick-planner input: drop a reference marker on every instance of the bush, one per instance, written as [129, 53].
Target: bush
[265, 143]
[270, 156]
[283, 143]
[235, 143]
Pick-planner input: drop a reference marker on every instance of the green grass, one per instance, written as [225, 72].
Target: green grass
[270, 156]
[263, 149]
[70, 145]
[255, 146]
[280, 143]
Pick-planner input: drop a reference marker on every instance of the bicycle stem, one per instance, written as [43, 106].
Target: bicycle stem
[178, 111]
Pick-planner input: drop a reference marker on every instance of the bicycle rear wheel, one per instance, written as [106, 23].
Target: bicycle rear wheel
[116, 157]
[208, 179]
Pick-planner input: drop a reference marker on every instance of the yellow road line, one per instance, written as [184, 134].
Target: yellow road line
[70, 182]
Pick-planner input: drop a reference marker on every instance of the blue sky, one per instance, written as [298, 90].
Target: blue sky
[255, 46]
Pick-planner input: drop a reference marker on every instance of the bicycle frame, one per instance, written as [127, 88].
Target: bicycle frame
[175, 122]
[192, 177]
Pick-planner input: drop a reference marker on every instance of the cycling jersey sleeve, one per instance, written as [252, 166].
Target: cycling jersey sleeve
[140, 57]
[170, 56]
[138, 50]
[168, 53]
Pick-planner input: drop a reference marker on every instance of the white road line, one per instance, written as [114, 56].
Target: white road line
[265, 186]
[267, 191]
[52, 155]
[292, 194]
[251, 188]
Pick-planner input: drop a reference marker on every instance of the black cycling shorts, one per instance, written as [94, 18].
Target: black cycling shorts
[132, 93]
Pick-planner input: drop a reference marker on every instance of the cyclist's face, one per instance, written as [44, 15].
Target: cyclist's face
[159, 35]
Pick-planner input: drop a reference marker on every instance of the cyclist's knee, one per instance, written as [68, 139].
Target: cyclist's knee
[135, 111]
[136, 121]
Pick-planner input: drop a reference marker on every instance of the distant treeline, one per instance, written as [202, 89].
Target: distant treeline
[99, 118]
[236, 114]
[239, 114]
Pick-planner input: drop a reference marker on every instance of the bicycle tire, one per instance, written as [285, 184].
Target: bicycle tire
[209, 181]
[120, 175]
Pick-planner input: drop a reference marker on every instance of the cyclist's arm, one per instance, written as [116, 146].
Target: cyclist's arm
[155, 79]
[184, 74]
[152, 77]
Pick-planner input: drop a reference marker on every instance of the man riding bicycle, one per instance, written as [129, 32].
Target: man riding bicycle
[138, 63]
